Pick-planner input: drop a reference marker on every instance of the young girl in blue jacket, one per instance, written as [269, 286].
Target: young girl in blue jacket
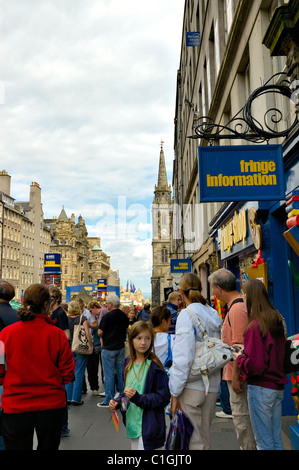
[146, 386]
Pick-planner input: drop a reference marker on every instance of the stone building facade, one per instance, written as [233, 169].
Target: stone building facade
[24, 237]
[215, 80]
[82, 259]
[244, 47]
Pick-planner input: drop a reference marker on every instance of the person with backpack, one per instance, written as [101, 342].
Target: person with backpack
[224, 287]
[188, 394]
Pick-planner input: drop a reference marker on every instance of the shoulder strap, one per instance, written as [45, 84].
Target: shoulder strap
[236, 301]
[197, 320]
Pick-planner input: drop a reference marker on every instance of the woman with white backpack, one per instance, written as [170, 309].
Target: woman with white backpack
[190, 395]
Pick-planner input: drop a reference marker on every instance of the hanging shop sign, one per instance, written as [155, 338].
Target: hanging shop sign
[180, 266]
[241, 173]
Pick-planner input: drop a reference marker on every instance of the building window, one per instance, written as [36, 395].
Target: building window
[164, 255]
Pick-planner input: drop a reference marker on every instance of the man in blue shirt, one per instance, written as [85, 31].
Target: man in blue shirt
[145, 313]
[174, 304]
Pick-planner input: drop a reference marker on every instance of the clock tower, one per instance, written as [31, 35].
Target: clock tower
[161, 241]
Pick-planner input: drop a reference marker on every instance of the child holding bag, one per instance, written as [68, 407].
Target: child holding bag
[146, 386]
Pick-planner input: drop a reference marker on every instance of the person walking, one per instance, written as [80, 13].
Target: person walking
[59, 316]
[39, 362]
[224, 287]
[93, 359]
[113, 331]
[190, 396]
[74, 388]
[146, 386]
[262, 365]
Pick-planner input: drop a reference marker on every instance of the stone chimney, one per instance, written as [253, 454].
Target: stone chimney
[5, 181]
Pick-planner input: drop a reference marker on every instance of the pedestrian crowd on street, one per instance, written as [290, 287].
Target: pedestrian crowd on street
[143, 361]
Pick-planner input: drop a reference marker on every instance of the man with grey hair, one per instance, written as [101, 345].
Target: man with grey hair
[8, 315]
[224, 287]
[113, 331]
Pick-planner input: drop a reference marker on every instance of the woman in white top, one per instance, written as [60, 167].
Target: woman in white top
[191, 397]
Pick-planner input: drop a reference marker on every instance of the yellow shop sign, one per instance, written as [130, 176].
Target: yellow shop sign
[234, 231]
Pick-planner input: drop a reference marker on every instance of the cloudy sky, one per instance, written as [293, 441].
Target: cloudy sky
[87, 92]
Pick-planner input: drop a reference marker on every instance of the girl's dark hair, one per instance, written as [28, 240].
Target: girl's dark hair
[260, 308]
[191, 287]
[136, 329]
[35, 297]
[159, 314]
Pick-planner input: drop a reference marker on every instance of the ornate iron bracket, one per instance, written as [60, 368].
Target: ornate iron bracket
[243, 125]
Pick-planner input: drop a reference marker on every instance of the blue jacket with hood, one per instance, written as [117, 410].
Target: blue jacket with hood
[153, 400]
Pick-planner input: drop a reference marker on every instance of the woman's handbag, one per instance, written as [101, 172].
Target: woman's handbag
[180, 432]
[211, 354]
[82, 343]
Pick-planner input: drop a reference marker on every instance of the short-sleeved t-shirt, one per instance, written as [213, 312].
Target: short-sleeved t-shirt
[114, 325]
[233, 330]
[136, 378]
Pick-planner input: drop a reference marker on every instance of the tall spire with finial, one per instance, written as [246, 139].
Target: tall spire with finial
[162, 187]
[162, 176]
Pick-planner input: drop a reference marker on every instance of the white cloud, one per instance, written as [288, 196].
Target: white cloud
[89, 92]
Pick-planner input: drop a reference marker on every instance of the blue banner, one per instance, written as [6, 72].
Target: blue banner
[180, 266]
[192, 39]
[241, 173]
[102, 284]
[52, 263]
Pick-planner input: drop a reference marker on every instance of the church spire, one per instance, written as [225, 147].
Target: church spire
[162, 176]
[162, 189]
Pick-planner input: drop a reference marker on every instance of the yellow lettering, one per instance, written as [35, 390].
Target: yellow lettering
[234, 231]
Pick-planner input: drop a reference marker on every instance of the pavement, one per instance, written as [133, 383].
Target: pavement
[92, 428]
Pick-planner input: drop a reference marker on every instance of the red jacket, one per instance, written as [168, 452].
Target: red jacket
[39, 361]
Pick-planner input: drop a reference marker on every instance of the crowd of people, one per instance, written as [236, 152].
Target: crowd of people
[140, 363]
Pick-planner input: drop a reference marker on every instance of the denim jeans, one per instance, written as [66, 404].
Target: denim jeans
[224, 397]
[112, 361]
[74, 389]
[265, 414]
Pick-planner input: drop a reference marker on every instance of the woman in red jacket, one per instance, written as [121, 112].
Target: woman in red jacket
[39, 362]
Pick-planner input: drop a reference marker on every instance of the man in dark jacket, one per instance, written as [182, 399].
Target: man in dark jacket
[8, 315]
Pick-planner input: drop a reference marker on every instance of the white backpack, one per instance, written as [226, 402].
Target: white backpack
[211, 354]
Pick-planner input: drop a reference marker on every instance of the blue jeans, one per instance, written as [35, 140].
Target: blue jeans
[224, 397]
[74, 389]
[112, 361]
[265, 414]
